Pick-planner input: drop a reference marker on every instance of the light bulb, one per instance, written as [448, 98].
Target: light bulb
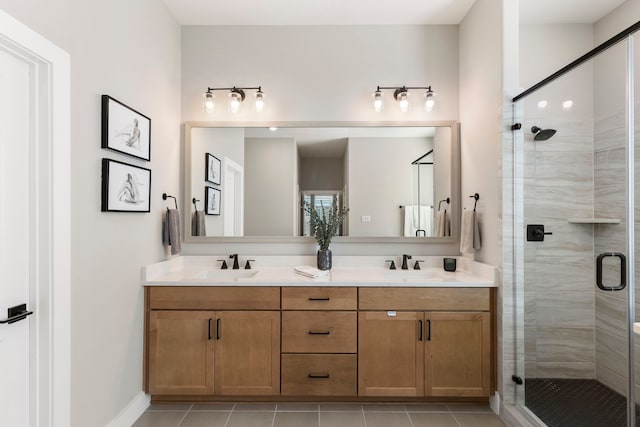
[259, 100]
[404, 102]
[429, 102]
[567, 105]
[377, 101]
[207, 104]
[234, 103]
[542, 104]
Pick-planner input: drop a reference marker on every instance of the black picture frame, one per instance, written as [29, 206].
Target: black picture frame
[213, 200]
[212, 169]
[125, 130]
[125, 187]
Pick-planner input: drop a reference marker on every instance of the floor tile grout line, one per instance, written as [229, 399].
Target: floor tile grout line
[456, 419]
[363, 415]
[273, 420]
[185, 415]
[226, 423]
[408, 416]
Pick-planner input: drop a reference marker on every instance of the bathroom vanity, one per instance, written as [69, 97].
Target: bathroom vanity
[363, 333]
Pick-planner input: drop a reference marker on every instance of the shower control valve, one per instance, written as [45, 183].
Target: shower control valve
[536, 233]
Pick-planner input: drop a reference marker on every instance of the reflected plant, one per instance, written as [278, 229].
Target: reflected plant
[325, 222]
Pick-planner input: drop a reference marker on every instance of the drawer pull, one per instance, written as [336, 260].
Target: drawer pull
[319, 332]
[319, 376]
[319, 299]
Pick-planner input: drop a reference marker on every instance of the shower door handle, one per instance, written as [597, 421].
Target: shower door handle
[623, 271]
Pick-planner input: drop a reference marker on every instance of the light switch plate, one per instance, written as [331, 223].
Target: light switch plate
[365, 218]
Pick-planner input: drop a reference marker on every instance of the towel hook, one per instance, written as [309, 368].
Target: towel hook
[475, 196]
[448, 200]
[195, 207]
[165, 196]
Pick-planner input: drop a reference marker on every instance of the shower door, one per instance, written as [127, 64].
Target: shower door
[574, 266]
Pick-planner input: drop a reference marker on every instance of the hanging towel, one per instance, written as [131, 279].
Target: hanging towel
[417, 218]
[470, 232]
[443, 226]
[197, 224]
[171, 230]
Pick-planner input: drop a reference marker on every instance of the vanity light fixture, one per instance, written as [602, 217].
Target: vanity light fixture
[236, 96]
[401, 94]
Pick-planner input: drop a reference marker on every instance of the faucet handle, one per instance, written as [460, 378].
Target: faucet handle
[416, 266]
[393, 264]
[247, 266]
[224, 264]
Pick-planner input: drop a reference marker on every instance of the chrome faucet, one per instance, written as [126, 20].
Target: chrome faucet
[405, 257]
[236, 266]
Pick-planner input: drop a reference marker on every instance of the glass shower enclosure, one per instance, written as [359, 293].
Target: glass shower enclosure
[574, 208]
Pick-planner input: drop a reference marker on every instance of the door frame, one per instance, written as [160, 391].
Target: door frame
[52, 325]
[237, 201]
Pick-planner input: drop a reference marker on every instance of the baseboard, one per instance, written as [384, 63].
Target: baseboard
[132, 411]
[494, 402]
[516, 417]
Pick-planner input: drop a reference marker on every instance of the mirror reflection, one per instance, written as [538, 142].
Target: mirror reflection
[254, 181]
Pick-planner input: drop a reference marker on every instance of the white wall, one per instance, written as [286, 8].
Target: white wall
[322, 73]
[481, 119]
[269, 179]
[131, 51]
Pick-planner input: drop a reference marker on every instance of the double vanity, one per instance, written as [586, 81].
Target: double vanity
[364, 332]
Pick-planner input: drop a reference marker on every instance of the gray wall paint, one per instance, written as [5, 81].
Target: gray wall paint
[321, 174]
[269, 179]
[131, 51]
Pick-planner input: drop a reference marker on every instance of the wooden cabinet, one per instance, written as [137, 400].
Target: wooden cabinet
[247, 353]
[180, 353]
[425, 353]
[319, 341]
[458, 354]
[390, 354]
[205, 341]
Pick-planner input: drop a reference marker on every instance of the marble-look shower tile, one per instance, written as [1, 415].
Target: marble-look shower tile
[611, 314]
[565, 345]
[565, 274]
[566, 370]
[611, 379]
[555, 201]
[610, 131]
[611, 352]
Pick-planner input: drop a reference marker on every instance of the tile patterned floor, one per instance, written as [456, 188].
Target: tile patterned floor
[318, 415]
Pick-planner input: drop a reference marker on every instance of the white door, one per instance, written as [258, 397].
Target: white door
[15, 236]
[232, 208]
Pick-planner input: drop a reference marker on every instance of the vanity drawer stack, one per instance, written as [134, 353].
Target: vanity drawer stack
[319, 341]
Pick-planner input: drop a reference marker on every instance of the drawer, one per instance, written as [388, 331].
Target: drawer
[319, 298]
[214, 298]
[319, 332]
[319, 375]
[451, 299]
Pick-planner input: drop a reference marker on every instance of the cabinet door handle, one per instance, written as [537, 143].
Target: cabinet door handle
[319, 298]
[217, 329]
[420, 333]
[319, 332]
[209, 329]
[321, 376]
[428, 330]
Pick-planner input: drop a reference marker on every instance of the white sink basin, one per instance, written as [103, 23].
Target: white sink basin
[410, 275]
[225, 274]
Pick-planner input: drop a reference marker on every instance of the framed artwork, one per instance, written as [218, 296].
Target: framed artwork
[125, 130]
[212, 198]
[213, 168]
[125, 187]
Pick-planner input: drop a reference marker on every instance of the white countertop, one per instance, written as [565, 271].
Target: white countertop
[347, 271]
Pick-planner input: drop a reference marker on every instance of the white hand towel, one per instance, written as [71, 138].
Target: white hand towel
[417, 218]
[310, 272]
[470, 233]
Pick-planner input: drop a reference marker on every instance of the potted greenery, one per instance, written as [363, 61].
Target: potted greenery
[325, 223]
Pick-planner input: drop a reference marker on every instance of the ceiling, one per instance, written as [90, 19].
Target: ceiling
[368, 12]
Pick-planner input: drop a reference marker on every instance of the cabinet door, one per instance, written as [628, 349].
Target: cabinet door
[390, 354]
[458, 354]
[247, 353]
[180, 353]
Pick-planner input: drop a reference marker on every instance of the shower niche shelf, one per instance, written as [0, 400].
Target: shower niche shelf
[593, 221]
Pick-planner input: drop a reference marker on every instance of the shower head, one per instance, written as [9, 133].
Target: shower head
[542, 134]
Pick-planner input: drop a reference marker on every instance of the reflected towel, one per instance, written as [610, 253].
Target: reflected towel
[197, 224]
[470, 232]
[417, 218]
[443, 225]
[171, 230]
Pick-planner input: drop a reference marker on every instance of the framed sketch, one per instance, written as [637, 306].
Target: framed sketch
[213, 168]
[125, 188]
[212, 198]
[125, 130]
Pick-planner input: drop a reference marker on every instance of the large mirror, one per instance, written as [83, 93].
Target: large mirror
[400, 182]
